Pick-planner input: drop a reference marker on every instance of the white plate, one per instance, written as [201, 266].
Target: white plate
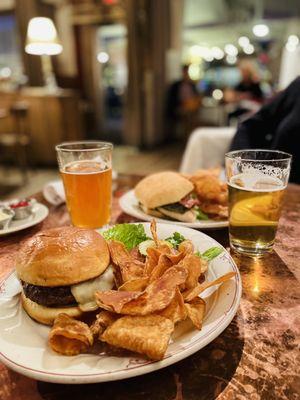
[40, 212]
[23, 342]
[130, 205]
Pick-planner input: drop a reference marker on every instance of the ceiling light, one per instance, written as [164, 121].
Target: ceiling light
[293, 40]
[202, 52]
[194, 72]
[249, 49]
[231, 50]
[195, 50]
[5, 72]
[231, 59]
[260, 30]
[290, 47]
[217, 53]
[243, 41]
[42, 37]
[102, 57]
[217, 94]
[208, 57]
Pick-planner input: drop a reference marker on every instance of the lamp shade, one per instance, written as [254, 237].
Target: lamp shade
[42, 37]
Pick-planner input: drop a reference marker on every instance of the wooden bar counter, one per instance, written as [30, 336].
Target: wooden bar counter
[52, 117]
[255, 358]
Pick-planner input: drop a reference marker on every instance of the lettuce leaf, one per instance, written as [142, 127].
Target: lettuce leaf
[129, 234]
[200, 215]
[175, 239]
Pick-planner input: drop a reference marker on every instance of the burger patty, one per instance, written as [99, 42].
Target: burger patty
[49, 296]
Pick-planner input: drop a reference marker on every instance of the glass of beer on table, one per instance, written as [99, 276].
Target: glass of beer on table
[256, 182]
[86, 172]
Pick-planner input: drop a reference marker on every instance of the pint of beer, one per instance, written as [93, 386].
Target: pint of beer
[85, 168]
[256, 182]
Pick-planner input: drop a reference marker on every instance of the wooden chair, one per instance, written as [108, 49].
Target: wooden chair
[14, 144]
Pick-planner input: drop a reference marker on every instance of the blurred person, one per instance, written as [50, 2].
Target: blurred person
[249, 86]
[276, 126]
[183, 102]
[247, 95]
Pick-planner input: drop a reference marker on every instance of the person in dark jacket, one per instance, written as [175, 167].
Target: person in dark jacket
[183, 102]
[276, 126]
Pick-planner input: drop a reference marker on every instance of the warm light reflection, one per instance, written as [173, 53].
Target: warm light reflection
[255, 289]
[256, 277]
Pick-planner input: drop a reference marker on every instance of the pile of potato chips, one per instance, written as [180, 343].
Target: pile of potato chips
[152, 296]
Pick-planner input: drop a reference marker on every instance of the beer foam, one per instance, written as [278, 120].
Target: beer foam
[256, 181]
[256, 167]
[85, 167]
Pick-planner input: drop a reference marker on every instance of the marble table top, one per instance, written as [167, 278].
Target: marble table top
[256, 357]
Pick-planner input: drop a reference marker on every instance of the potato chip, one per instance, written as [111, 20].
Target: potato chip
[148, 335]
[186, 247]
[196, 311]
[190, 294]
[103, 320]
[151, 260]
[155, 297]
[158, 294]
[69, 336]
[163, 264]
[176, 310]
[192, 264]
[136, 255]
[118, 252]
[114, 300]
[130, 268]
[118, 277]
[153, 231]
[135, 285]
[175, 257]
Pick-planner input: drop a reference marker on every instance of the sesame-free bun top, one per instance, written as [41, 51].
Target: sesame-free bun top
[162, 188]
[62, 256]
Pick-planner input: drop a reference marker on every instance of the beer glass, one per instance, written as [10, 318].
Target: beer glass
[256, 182]
[86, 171]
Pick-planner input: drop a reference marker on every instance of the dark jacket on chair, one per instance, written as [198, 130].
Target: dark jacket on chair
[275, 126]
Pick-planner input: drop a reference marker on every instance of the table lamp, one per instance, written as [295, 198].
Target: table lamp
[42, 40]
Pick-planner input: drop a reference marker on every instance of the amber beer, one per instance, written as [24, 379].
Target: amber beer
[88, 193]
[255, 205]
[86, 172]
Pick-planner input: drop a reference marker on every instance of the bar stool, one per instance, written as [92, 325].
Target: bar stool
[16, 143]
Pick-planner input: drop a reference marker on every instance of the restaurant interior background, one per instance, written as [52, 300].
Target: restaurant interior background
[108, 73]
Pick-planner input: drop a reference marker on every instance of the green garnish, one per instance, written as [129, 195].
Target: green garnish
[200, 215]
[129, 234]
[175, 239]
[210, 254]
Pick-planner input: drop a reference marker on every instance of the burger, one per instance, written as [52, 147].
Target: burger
[167, 194]
[60, 270]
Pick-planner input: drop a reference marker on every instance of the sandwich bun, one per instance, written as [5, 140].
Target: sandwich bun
[47, 315]
[162, 188]
[62, 256]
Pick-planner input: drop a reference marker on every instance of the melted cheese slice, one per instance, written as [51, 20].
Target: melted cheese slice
[84, 292]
